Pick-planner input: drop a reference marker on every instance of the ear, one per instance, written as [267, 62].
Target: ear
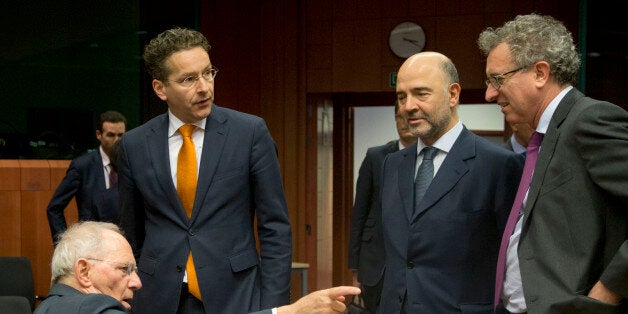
[541, 71]
[159, 88]
[454, 94]
[82, 268]
[98, 134]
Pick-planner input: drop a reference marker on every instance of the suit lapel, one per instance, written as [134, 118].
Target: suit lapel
[405, 174]
[157, 143]
[548, 147]
[215, 135]
[453, 168]
[96, 163]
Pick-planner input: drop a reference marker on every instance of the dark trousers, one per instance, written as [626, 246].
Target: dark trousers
[371, 295]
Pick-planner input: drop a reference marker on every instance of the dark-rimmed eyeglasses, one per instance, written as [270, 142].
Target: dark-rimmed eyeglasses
[497, 80]
[127, 268]
[189, 81]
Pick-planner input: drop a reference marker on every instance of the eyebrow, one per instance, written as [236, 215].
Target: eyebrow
[209, 67]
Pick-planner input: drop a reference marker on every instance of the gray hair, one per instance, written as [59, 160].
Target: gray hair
[532, 38]
[81, 240]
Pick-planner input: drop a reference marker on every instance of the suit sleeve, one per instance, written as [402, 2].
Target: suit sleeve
[273, 224]
[101, 304]
[131, 216]
[361, 207]
[64, 193]
[602, 139]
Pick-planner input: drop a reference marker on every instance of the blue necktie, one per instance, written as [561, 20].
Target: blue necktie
[424, 175]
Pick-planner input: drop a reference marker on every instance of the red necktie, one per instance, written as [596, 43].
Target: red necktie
[113, 177]
[532, 153]
[186, 188]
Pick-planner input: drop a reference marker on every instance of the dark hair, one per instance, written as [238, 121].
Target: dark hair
[167, 43]
[110, 116]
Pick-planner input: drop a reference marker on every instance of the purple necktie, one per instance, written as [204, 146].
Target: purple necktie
[532, 152]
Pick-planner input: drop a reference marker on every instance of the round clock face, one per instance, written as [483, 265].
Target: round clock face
[406, 39]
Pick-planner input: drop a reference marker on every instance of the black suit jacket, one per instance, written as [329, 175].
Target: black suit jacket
[442, 256]
[366, 244]
[63, 299]
[84, 180]
[576, 216]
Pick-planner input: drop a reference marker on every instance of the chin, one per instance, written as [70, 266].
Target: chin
[126, 305]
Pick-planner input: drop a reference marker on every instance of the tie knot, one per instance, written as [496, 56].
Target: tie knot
[536, 139]
[186, 130]
[429, 152]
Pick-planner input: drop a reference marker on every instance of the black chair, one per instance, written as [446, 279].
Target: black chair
[15, 305]
[16, 278]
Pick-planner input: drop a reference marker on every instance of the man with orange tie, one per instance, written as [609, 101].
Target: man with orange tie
[192, 181]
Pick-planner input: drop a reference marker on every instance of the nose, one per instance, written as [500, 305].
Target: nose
[135, 283]
[491, 93]
[203, 84]
[407, 105]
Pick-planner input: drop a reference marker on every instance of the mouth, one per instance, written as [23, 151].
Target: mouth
[415, 120]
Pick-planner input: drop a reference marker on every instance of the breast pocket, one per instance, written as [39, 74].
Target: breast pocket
[556, 181]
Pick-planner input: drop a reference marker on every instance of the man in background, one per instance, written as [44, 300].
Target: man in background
[520, 137]
[567, 250]
[88, 179]
[442, 226]
[366, 245]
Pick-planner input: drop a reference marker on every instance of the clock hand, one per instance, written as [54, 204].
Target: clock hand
[412, 41]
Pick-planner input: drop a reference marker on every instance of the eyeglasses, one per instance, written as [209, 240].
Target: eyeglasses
[189, 81]
[127, 268]
[498, 80]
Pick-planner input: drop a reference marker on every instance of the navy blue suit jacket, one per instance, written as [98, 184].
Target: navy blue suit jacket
[239, 180]
[366, 244]
[84, 180]
[444, 254]
[63, 299]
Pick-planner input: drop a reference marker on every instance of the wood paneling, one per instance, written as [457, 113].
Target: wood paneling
[26, 189]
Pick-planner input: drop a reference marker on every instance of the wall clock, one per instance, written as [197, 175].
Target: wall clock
[406, 39]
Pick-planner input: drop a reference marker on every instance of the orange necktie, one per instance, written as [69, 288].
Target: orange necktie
[186, 188]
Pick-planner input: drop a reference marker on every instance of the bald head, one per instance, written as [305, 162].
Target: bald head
[431, 61]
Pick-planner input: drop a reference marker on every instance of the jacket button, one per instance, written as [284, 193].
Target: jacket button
[179, 269]
[410, 265]
[400, 299]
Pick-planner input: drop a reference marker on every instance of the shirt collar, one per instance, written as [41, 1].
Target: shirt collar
[175, 123]
[547, 114]
[104, 157]
[446, 141]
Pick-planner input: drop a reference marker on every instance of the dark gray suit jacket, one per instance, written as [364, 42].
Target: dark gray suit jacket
[444, 255]
[239, 180]
[84, 180]
[366, 244]
[576, 217]
[63, 299]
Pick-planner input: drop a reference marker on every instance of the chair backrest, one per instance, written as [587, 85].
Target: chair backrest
[16, 278]
[15, 305]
